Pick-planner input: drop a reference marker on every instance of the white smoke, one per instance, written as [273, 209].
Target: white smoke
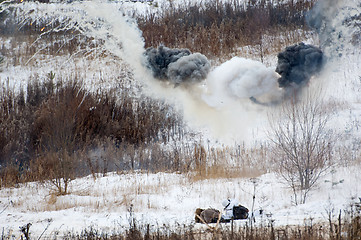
[102, 21]
[222, 103]
[338, 24]
[239, 79]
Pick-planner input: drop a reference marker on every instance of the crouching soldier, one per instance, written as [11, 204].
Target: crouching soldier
[233, 210]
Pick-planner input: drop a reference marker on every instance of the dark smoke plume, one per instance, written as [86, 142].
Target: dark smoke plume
[297, 64]
[160, 58]
[192, 68]
[177, 65]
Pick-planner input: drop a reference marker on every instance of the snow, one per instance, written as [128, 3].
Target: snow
[104, 202]
[108, 202]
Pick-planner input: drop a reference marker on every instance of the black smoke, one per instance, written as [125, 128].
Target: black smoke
[158, 59]
[192, 68]
[177, 65]
[297, 64]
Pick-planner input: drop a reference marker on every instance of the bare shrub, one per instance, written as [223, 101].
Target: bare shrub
[57, 168]
[57, 133]
[302, 143]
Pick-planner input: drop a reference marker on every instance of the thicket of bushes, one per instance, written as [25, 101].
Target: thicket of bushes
[61, 123]
[216, 28]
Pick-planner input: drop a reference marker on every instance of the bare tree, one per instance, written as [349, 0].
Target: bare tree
[57, 132]
[302, 143]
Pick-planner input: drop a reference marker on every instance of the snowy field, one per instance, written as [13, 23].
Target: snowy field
[109, 203]
[105, 203]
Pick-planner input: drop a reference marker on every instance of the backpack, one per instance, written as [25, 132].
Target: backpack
[240, 212]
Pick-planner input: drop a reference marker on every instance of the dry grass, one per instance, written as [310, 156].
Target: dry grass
[352, 230]
[229, 162]
[96, 195]
[224, 172]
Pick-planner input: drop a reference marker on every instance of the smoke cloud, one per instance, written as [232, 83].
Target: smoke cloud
[338, 23]
[321, 12]
[240, 79]
[158, 59]
[192, 68]
[177, 66]
[297, 64]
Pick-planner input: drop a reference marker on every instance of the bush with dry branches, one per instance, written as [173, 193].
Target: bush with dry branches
[302, 143]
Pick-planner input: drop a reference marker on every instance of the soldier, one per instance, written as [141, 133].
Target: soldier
[228, 205]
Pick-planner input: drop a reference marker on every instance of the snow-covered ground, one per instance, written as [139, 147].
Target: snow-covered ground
[105, 203]
[108, 202]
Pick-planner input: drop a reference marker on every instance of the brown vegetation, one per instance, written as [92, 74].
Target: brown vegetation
[214, 28]
[217, 29]
[50, 131]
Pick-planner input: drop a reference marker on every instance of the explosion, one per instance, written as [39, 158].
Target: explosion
[297, 64]
[234, 82]
[178, 66]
